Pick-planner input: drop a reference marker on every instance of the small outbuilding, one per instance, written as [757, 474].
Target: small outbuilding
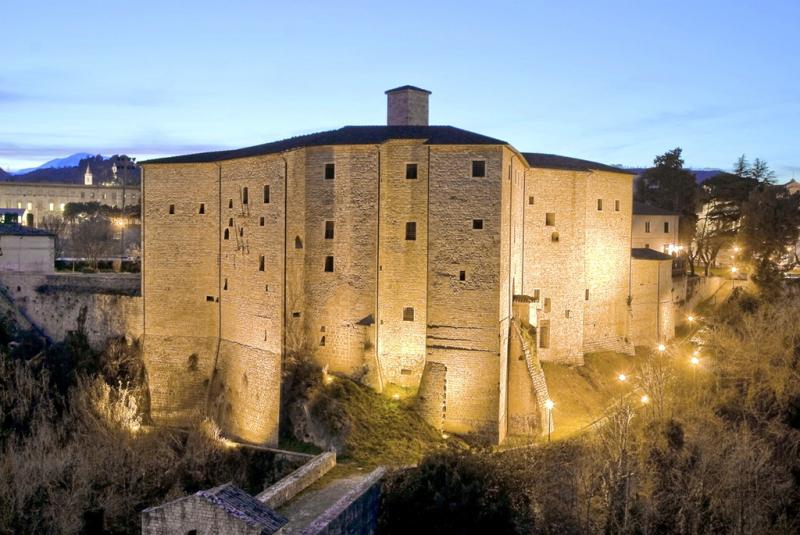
[224, 509]
[26, 249]
[653, 314]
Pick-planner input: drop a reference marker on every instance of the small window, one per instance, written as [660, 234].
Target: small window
[477, 224]
[550, 219]
[666, 227]
[329, 264]
[536, 295]
[462, 275]
[171, 208]
[241, 232]
[322, 329]
[261, 221]
[230, 222]
[225, 284]
[295, 314]
[329, 230]
[261, 263]
[544, 334]
[530, 199]
[266, 194]
[408, 314]
[600, 204]
[202, 209]
[226, 235]
[191, 532]
[210, 298]
[230, 203]
[330, 171]
[245, 196]
[547, 304]
[411, 171]
[616, 206]
[647, 226]
[298, 243]
[566, 313]
[411, 231]
[554, 237]
[586, 294]
[478, 168]
[322, 341]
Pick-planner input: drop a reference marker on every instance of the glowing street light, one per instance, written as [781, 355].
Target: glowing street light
[622, 378]
[548, 404]
[694, 361]
[734, 269]
[661, 348]
[736, 248]
[645, 399]
[396, 397]
[690, 318]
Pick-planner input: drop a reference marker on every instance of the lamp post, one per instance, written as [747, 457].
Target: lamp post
[548, 404]
[127, 163]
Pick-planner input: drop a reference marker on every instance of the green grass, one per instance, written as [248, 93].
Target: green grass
[582, 393]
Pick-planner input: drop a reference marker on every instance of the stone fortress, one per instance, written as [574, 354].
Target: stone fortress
[414, 257]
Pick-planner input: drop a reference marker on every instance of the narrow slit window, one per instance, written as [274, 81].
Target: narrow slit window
[202, 209]
[647, 226]
[478, 168]
[330, 171]
[599, 205]
[329, 264]
[536, 295]
[408, 314]
[586, 294]
[245, 196]
[411, 171]
[225, 284]
[230, 222]
[171, 208]
[230, 203]
[547, 304]
[616, 206]
[226, 235]
[411, 231]
[544, 334]
[462, 275]
[666, 227]
[550, 219]
[477, 224]
[261, 221]
[266, 194]
[261, 262]
[329, 228]
[322, 341]
[530, 199]
[298, 243]
[241, 232]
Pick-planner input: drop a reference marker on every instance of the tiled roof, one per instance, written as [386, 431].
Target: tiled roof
[640, 253]
[239, 504]
[640, 208]
[348, 135]
[10, 229]
[554, 161]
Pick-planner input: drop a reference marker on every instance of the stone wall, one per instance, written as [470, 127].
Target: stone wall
[652, 304]
[193, 514]
[432, 398]
[53, 302]
[293, 484]
[356, 513]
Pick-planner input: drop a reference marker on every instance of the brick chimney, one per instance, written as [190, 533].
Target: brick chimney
[407, 106]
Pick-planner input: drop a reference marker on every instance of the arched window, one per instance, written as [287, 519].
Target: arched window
[226, 235]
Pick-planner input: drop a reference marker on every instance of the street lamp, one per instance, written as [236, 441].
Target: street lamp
[645, 399]
[661, 348]
[690, 318]
[622, 378]
[734, 270]
[548, 404]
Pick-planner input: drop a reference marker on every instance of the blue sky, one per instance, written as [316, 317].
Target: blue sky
[613, 81]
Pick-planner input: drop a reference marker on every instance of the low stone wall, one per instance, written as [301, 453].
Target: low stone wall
[293, 484]
[355, 513]
[54, 302]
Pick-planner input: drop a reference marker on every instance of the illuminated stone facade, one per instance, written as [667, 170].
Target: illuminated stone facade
[381, 249]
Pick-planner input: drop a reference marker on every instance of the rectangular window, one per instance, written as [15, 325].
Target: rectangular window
[600, 204]
[329, 264]
[261, 221]
[202, 209]
[566, 313]
[266, 194]
[261, 263]
[666, 227]
[411, 231]
[322, 341]
[328, 230]
[295, 314]
[245, 196]
[408, 314]
[536, 295]
[530, 199]
[586, 294]
[171, 208]
[544, 334]
[52, 206]
[411, 171]
[210, 298]
[478, 168]
[61, 206]
[547, 304]
[647, 226]
[330, 171]
[477, 224]
[550, 219]
[230, 222]
[462, 275]
[616, 206]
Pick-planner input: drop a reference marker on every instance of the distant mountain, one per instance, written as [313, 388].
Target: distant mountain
[701, 174]
[73, 160]
[3, 174]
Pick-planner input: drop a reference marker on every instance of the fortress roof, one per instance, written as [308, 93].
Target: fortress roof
[554, 161]
[640, 253]
[348, 135]
[640, 208]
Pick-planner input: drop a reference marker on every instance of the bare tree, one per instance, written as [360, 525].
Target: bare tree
[93, 238]
[58, 226]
